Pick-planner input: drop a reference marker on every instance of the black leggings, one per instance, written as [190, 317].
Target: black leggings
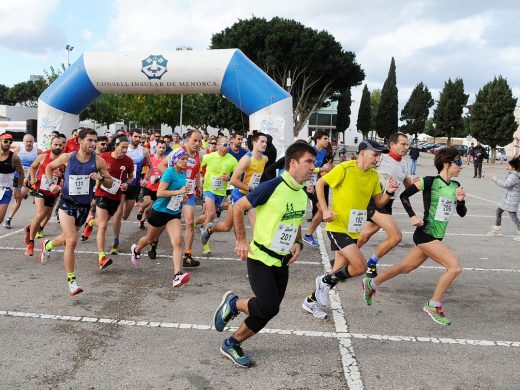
[513, 216]
[477, 165]
[268, 285]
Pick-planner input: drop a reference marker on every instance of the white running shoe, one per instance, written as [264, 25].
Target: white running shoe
[495, 231]
[314, 308]
[136, 259]
[181, 279]
[44, 253]
[74, 289]
[322, 292]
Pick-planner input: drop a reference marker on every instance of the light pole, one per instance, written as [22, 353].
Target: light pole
[69, 48]
[182, 48]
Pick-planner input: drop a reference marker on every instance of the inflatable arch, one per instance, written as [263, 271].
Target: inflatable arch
[227, 71]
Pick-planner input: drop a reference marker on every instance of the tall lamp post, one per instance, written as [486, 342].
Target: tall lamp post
[182, 48]
[69, 48]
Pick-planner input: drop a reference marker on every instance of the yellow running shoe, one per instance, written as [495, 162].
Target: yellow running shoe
[207, 249]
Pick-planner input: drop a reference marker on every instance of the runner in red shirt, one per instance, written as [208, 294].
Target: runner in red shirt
[108, 200]
[43, 198]
[72, 144]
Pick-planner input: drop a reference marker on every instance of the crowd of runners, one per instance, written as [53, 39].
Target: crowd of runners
[88, 181]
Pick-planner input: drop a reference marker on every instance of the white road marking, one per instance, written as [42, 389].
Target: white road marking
[12, 233]
[346, 336]
[484, 199]
[477, 269]
[348, 358]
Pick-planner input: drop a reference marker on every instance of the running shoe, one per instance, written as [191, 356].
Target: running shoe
[141, 225]
[104, 262]
[181, 279]
[309, 239]
[206, 234]
[74, 289]
[516, 238]
[206, 249]
[372, 271]
[88, 229]
[27, 235]
[495, 231]
[235, 353]
[189, 262]
[322, 291]
[29, 249]
[314, 308]
[40, 234]
[44, 253]
[114, 250]
[152, 253]
[437, 314]
[7, 223]
[136, 257]
[368, 291]
[224, 312]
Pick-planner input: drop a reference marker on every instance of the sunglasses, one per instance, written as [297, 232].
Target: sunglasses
[458, 162]
[225, 145]
[212, 143]
[7, 141]
[102, 143]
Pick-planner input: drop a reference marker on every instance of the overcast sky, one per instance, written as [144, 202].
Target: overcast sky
[431, 41]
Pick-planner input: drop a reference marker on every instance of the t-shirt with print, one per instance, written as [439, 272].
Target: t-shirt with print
[216, 166]
[176, 181]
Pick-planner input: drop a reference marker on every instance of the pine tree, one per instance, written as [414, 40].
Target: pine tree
[343, 116]
[416, 110]
[375, 100]
[364, 115]
[387, 114]
[492, 115]
[448, 113]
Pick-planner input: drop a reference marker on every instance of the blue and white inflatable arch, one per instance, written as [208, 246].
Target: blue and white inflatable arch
[228, 72]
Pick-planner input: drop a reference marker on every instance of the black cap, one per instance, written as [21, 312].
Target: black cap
[372, 145]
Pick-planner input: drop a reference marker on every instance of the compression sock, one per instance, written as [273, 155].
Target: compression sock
[101, 255]
[330, 280]
[311, 297]
[71, 277]
[372, 260]
[116, 241]
[49, 245]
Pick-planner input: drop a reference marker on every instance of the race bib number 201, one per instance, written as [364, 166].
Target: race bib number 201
[284, 238]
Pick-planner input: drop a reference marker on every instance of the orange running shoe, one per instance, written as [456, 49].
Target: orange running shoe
[29, 249]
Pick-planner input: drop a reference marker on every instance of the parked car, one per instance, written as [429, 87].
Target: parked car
[463, 149]
[501, 154]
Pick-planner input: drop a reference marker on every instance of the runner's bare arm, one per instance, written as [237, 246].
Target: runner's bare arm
[19, 168]
[33, 169]
[241, 169]
[241, 247]
[103, 170]
[328, 216]
[62, 159]
[163, 165]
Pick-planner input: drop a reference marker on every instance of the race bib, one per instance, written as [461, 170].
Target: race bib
[25, 171]
[445, 209]
[284, 238]
[47, 186]
[154, 179]
[137, 175]
[2, 192]
[254, 181]
[217, 183]
[116, 183]
[190, 186]
[79, 184]
[175, 203]
[356, 220]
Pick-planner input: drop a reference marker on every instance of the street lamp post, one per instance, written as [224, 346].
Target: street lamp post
[69, 48]
[182, 48]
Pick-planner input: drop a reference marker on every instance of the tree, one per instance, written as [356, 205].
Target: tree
[416, 110]
[364, 118]
[448, 113]
[283, 48]
[375, 101]
[4, 98]
[343, 115]
[26, 93]
[386, 119]
[492, 115]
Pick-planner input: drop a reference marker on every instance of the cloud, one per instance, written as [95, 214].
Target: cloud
[87, 34]
[26, 28]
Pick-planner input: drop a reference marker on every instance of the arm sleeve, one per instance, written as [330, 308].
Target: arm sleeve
[461, 208]
[405, 199]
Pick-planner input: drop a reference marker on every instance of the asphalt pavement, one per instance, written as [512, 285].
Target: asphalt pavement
[131, 329]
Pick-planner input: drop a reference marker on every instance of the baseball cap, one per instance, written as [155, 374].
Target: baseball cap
[6, 136]
[372, 145]
[176, 134]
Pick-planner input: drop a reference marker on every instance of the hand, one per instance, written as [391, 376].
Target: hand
[96, 176]
[460, 193]
[328, 215]
[57, 173]
[416, 221]
[18, 196]
[392, 185]
[326, 167]
[310, 189]
[225, 178]
[198, 191]
[182, 191]
[295, 250]
[242, 249]
[124, 187]
[33, 181]
[54, 188]
[415, 179]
